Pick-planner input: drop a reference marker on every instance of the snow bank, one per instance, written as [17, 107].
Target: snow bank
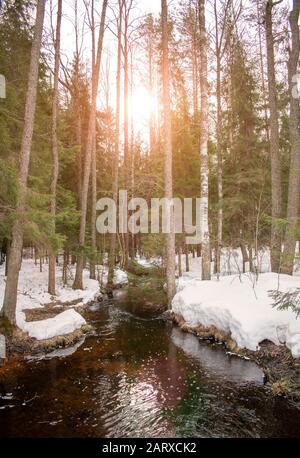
[120, 277]
[32, 294]
[144, 262]
[63, 323]
[242, 307]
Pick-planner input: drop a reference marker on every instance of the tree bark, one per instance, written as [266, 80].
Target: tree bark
[94, 167]
[179, 262]
[219, 168]
[274, 144]
[187, 261]
[294, 183]
[170, 237]
[204, 167]
[10, 297]
[115, 184]
[93, 212]
[150, 83]
[54, 149]
[127, 10]
[78, 284]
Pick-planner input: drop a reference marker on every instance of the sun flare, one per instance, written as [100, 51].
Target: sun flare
[143, 105]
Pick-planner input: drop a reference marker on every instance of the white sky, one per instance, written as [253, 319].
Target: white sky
[110, 47]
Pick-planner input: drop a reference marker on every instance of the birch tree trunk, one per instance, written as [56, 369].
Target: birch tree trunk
[54, 149]
[204, 168]
[78, 284]
[170, 237]
[274, 143]
[294, 188]
[10, 297]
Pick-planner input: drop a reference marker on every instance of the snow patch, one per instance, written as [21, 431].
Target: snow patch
[32, 294]
[241, 306]
[63, 323]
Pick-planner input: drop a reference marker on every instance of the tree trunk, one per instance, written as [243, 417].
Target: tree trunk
[150, 83]
[170, 237]
[204, 168]
[126, 126]
[10, 297]
[262, 71]
[274, 144]
[54, 149]
[219, 169]
[294, 188]
[65, 267]
[113, 238]
[78, 284]
[7, 257]
[179, 262]
[93, 213]
[94, 169]
[187, 261]
[245, 257]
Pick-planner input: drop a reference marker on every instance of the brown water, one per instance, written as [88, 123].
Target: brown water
[138, 376]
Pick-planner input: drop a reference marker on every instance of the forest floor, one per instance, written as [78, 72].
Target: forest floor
[45, 321]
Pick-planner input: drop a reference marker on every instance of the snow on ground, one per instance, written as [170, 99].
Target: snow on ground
[232, 261]
[63, 323]
[120, 276]
[241, 306]
[32, 293]
[143, 262]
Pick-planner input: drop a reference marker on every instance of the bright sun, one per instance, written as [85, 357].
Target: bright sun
[142, 106]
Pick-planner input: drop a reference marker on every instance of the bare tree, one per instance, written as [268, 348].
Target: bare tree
[170, 237]
[115, 184]
[225, 21]
[10, 297]
[274, 141]
[54, 148]
[294, 183]
[204, 167]
[88, 151]
[127, 8]
[150, 31]
[91, 22]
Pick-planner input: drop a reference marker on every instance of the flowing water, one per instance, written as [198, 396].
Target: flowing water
[139, 376]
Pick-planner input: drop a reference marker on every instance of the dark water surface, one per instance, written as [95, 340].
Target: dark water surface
[140, 377]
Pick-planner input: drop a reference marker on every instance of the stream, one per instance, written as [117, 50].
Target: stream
[139, 376]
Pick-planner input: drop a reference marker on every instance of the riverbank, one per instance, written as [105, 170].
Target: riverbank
[238, 311]
[45, 322]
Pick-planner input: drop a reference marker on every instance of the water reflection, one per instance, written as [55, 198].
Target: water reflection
[216, 361]
[140, 377]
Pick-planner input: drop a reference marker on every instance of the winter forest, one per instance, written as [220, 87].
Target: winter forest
[149, 218]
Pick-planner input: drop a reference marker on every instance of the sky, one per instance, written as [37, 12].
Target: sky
[143, 7]
[150, 6]
[140, 96]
